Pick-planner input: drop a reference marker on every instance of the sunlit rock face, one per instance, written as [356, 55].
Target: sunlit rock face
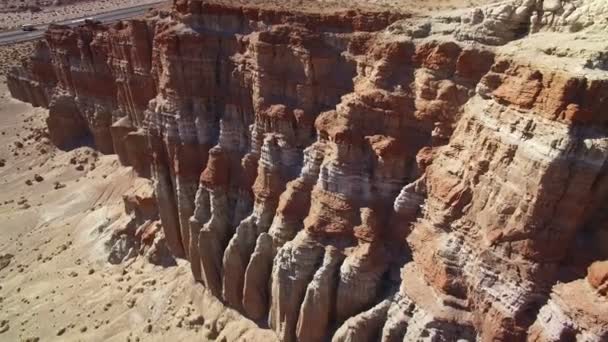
[360, 175]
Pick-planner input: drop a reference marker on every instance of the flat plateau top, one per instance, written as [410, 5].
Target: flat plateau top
[410, 6]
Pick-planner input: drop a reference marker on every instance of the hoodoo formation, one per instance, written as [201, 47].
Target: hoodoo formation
[360, 175]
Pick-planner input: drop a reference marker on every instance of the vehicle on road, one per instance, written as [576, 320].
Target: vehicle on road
[90, 21]
[28, 27]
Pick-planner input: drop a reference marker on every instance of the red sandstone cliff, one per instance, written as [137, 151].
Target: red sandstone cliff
[360, 175]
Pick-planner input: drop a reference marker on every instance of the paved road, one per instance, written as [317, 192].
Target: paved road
[18, 36]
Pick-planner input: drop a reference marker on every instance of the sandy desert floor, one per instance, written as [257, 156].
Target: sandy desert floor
[11, 55]
[55, 282]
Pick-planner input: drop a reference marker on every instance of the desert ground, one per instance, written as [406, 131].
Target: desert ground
[12, 55]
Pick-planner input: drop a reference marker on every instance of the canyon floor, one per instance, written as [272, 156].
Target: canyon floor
[55, 281]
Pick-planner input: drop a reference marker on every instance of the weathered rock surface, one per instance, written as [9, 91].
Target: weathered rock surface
[575, 310]
[360, 175]
[141, 233]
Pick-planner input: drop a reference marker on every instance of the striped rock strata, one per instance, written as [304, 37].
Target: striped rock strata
[360, 175]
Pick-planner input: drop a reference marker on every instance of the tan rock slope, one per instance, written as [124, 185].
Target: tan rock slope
[361, 175]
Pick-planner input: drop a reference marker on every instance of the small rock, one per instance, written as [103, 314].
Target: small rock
[80, 168]
[149, 282]
[4, 326]
[38, 178]
[131, 302]
[196, 321]
[91, 271]
[5, 260]
[29, 182]
[148, 328]
[61, 331]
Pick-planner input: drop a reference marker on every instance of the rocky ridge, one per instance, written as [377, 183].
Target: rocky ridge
[360, 175]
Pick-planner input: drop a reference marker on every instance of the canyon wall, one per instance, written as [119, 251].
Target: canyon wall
[360, 175]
